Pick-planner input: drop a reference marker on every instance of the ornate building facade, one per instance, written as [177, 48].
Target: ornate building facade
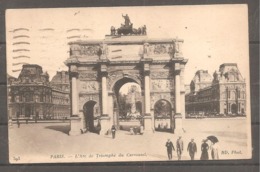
[225, 94]
[32, 96]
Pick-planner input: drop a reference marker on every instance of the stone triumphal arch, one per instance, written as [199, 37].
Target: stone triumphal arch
[98, 68]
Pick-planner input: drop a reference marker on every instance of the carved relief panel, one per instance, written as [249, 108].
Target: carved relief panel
[158, 49]
[91, 50]
[89, 86]
[158, 75]
[86, 76]
[162, 85]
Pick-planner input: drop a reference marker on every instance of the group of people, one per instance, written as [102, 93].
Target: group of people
[192, 149]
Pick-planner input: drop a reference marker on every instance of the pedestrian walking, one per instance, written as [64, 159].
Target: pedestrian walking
[169, 147]
[192, 149]
[113, 130]
[179, 147]
[204, 150]
[214, 151]
[18, 123]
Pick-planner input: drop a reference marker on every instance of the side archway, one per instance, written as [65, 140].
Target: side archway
[163, 119]
[91, 121]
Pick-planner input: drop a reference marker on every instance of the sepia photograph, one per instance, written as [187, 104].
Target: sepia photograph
[121, 84]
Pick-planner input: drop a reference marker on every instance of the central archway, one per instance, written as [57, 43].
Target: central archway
[128, 106]
[92, 123]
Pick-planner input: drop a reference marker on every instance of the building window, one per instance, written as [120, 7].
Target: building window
[17, 98]
[229, 94]
[27, 97]
[36, 98]
[238, 94]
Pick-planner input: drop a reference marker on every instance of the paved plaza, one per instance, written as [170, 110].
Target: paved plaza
[50, 142]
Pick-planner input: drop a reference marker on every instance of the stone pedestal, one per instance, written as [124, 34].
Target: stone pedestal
[105, 124]
[148, 127]
[178, 124]
[75, 126]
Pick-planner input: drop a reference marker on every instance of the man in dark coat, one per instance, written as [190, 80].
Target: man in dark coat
[169, 147]
[192, 149]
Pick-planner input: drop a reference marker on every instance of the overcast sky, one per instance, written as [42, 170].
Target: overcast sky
[213, 34]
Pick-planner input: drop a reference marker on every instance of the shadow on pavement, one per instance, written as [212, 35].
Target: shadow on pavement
[61, 128]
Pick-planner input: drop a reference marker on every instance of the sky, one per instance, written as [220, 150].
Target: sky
[212, 34]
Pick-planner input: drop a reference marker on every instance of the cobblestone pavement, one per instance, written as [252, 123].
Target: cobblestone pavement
[49, 142]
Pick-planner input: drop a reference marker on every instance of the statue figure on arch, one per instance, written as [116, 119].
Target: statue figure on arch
[127, 20]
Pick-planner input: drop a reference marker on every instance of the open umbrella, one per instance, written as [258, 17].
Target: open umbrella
[213, 139]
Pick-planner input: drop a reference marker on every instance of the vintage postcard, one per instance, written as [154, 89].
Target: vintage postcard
[161, 83]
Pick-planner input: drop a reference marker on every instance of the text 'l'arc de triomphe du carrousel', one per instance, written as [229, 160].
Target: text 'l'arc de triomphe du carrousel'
[99, 68]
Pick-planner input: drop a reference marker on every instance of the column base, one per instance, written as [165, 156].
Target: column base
[75, 126]
[178, 124]
[148, 124]
[105, 124]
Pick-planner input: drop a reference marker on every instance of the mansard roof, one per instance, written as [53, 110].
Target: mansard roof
[202, 76]
[61, 77]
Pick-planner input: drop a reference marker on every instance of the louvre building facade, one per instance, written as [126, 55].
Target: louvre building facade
[224, 94]
[33, 96]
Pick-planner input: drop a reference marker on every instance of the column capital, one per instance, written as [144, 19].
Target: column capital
[146, 65]
[74, 74]
[147, 60]
[146, 72]
[103, 63]
[177, 72]
[73, 71]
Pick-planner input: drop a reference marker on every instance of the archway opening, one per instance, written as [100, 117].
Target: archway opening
[127, 104]
[90, 110]
[234, 109]
[163, 116]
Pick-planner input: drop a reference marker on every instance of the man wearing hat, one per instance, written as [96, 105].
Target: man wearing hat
[169, 147]
[192, 149]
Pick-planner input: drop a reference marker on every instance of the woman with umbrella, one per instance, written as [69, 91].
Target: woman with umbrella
[204, 150]
[214, 147]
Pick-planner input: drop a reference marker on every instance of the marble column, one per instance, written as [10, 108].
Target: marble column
[178, 115]
[104, 95]
[147, 96]
[74, 96]
[148, 127]
[177, 93]
[105, 117]
[75, 120]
